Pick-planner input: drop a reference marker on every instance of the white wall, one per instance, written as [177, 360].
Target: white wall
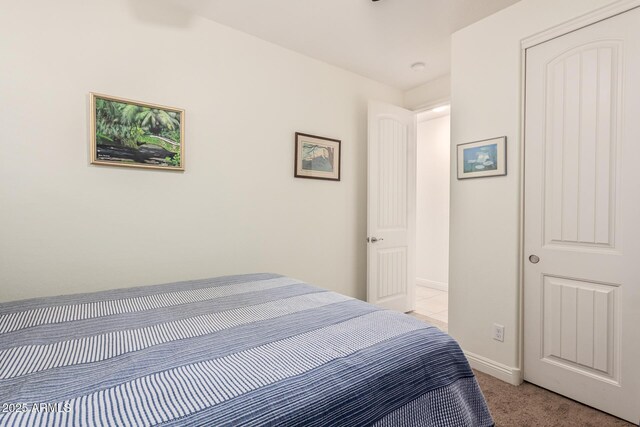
[486, 102]
[432, 202]
[433, 92]
[66, 226]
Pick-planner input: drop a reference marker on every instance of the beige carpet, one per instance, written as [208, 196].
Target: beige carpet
[528, 405]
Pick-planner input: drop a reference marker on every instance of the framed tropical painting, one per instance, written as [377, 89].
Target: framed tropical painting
[482, 158]
[136, 134]
[317, 157]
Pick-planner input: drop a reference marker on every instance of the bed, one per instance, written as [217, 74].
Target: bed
[248, 350]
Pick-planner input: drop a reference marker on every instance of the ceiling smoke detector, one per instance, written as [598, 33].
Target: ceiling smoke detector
[418, 66]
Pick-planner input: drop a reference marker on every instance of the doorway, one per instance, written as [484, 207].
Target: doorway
[391, 210]
[432, 215]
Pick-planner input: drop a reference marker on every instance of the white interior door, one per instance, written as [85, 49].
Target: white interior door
[391, 207]
[582, 215]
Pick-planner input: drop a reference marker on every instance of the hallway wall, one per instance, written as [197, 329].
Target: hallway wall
[432, 203]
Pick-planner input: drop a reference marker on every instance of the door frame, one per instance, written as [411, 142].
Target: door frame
[590, 18]
[430, 105]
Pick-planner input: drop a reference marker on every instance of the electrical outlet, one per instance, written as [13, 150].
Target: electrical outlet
[498, 332]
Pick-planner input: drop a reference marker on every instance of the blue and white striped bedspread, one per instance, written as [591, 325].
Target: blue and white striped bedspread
[252, 350]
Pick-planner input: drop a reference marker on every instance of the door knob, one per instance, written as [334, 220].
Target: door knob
[534, 259]
[375, 239]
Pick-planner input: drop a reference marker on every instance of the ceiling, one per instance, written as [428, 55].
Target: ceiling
[379, 40]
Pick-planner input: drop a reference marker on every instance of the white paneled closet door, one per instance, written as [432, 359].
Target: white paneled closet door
[582, 215]
[391, 207]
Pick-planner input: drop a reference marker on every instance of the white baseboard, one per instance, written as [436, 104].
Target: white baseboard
[432, 284]
[505, 373]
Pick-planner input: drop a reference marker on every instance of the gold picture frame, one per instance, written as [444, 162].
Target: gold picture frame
[128, 133]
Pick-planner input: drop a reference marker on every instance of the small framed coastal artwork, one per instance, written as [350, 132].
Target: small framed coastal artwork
[484, 158]
[136, 134]
[317, 157]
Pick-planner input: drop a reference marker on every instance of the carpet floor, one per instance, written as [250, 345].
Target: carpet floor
[528, 405]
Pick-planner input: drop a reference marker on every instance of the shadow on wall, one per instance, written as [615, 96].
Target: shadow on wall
[164, 13]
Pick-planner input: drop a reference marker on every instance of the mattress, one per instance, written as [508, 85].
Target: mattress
[248, 350]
